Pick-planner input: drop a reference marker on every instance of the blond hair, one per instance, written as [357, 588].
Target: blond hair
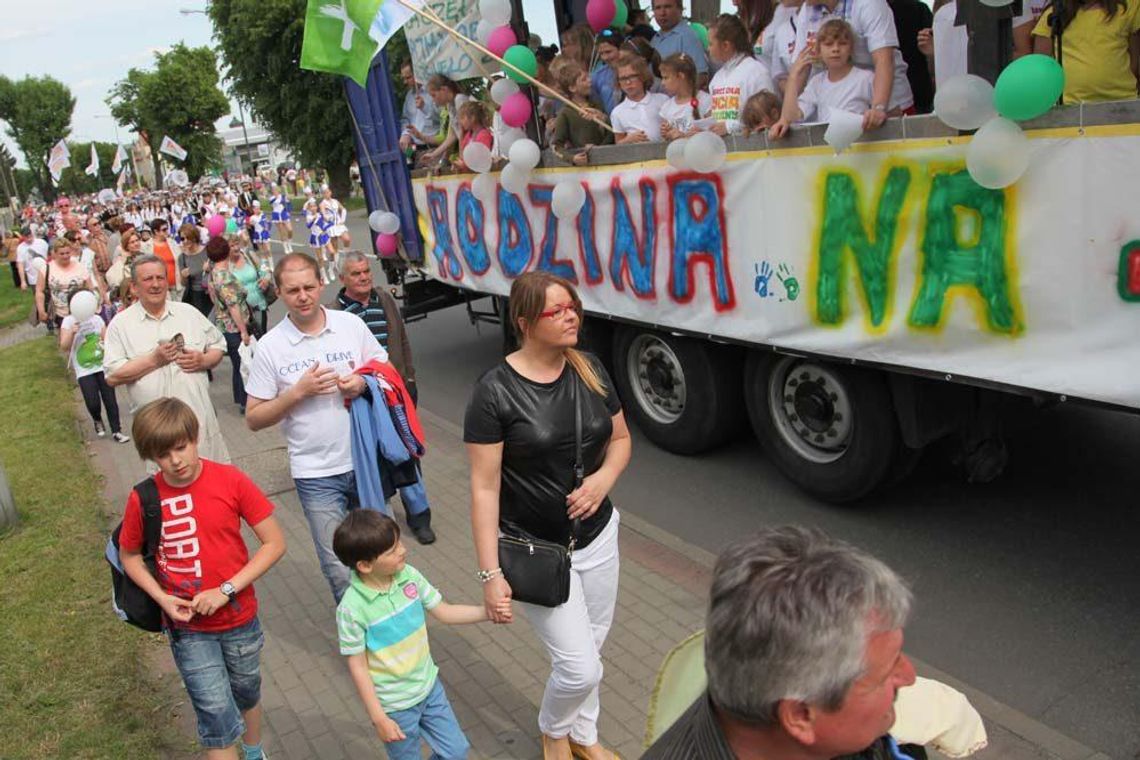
[162, 425]
[626, 59]
[527, 301]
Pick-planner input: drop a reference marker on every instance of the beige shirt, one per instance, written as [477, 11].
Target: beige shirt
[134, 333]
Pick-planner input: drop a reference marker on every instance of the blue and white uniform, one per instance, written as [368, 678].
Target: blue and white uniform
[314, 220]
[279, 205]
[259, 227]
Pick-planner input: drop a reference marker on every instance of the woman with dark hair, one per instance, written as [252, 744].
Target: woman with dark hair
[192, 263]
[231, 312]
[521, 441]
[1095, 50]
[757, 16]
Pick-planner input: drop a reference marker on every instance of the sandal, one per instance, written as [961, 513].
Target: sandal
[583, 752]
[556, 749]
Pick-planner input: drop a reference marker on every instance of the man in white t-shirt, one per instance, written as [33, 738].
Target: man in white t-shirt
[31, 260]
[302, 374]
[876, 48]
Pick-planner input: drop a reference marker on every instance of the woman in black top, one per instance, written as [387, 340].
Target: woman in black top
[519, 431]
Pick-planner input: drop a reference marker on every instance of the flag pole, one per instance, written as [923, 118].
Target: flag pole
[432, 18]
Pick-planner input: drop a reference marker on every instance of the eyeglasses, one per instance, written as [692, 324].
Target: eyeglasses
[629, 78]
[560, 311]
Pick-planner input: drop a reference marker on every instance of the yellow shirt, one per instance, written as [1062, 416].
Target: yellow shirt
[1095, 53]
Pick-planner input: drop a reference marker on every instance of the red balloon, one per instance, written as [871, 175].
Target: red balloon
[600, 14]
[516, 110]
[500, 39]
[386, 244]
[216, 225]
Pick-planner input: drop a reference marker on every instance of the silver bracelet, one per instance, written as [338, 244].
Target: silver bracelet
[486, 575]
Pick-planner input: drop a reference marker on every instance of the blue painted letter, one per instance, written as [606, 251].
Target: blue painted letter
[540, 196]
[469, 222]
[697, 235]
[444, 248]
[515, 243]
[633, 260]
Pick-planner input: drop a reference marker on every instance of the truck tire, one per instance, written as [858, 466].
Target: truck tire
[684, 394]
[829, 429]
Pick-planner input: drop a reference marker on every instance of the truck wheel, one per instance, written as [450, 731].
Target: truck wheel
[829, 429]
[682, 393]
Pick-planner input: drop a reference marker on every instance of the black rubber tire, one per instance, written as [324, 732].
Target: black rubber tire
[873, 443]
[711, 415]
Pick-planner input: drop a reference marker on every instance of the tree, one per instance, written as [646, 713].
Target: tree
[260, 46]
[179, 99]
[38, 112]
[74, 181]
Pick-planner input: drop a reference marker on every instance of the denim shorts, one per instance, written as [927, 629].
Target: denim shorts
[222, 674]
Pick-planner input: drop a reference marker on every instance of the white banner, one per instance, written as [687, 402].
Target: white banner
[93, 167]
[59, 159]
[888, 253]
[171, 148]
[434, 51]
[120, 157]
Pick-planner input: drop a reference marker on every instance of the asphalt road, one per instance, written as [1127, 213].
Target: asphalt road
[1027, 588]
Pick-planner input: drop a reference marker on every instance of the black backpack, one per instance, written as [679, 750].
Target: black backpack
[131, 603]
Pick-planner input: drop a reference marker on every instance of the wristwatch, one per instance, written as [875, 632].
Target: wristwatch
[228, 589]
[879, 107]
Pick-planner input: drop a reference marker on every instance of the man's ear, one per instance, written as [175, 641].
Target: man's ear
[798, 720]
[364, 567]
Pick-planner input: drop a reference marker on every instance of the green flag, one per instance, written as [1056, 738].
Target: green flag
[336, 37]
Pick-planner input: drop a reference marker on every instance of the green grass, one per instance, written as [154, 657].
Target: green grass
[15, 304]
[72, 675]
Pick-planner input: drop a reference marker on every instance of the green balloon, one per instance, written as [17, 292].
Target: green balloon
[231, 226]
[1029, 87]
[702, 33]
[521, 57]
[621, 14]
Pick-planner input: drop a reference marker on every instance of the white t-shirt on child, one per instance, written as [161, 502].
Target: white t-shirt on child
[852, 93]
[680, 115]
[734, 83]
[87, 347]
[640, 116]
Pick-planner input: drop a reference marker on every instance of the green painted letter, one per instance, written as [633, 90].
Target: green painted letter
[947, 262]
[843, 229]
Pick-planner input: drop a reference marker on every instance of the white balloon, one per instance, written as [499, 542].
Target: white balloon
[477, 156]
[567, 199]
[496, 12]
[483, 187]
[998, 154]
[483, 31]
[705, 152]
[374, 220]
[503, 88]
[83, 305]
[525, 153]
[675, 153]
[996, 3]
[40, 246]
[514, 179]
[965, 102]
[843, 129]
[389, 223]
[508, 136]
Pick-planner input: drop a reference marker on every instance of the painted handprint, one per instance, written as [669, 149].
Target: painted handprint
[790, 283]
[763, 276]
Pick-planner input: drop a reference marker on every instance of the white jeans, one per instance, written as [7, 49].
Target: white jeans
[573, 634]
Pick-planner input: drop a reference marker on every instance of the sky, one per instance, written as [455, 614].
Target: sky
[90, 44]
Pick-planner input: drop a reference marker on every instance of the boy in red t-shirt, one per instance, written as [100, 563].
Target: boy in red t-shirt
[205, 574]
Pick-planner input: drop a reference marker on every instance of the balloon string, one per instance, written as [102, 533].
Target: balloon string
[431, 17]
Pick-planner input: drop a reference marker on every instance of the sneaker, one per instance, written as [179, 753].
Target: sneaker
[120, 438]
[99, 431]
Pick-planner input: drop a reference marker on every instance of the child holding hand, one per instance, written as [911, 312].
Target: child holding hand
[638, 117]
[839, 86]
[382, 632]
[571, 128]
[687, 104]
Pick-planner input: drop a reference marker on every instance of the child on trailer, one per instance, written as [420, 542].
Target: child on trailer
[687, 104]
[381, 627]
[760, 112]
[636, 119]
[472, 117]
[205, 575]
[839, 86]
[572, 130]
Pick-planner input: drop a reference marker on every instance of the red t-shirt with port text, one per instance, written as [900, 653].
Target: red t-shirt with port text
[202, 545]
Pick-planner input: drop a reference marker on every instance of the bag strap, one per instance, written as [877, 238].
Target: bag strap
[579, 467]
[147, 491]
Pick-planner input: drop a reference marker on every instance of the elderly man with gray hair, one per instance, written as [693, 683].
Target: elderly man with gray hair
[804, 655]
[157, 348]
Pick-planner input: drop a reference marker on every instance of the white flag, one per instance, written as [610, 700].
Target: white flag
[59, 159]
[390, 17]
[93, 167]
[117, 161]
[171, 148]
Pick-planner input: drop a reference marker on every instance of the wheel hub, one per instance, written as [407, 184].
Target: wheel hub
[657, 379]
[811, 409]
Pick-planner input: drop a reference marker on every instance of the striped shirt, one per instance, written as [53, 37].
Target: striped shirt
[372, 313]
[390, 627]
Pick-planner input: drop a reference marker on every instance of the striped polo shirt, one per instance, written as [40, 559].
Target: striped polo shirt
[390, 627]
[372, 313]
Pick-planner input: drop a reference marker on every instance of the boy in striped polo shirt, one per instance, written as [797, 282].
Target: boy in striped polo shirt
[383, 633]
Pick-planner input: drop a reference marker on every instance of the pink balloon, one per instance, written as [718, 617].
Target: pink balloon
[216, 225]
[500, 39]
[386, 244]
[516, 110]
[600, 14]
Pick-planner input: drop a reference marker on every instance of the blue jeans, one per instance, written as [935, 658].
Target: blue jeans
[433, 721]
[233, 340]
[222, 674]
[326, 502]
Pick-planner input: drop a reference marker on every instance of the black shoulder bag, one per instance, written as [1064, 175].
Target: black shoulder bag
[131, 603]
[539, 571]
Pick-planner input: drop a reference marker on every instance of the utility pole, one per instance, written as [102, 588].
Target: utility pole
[245, 136]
